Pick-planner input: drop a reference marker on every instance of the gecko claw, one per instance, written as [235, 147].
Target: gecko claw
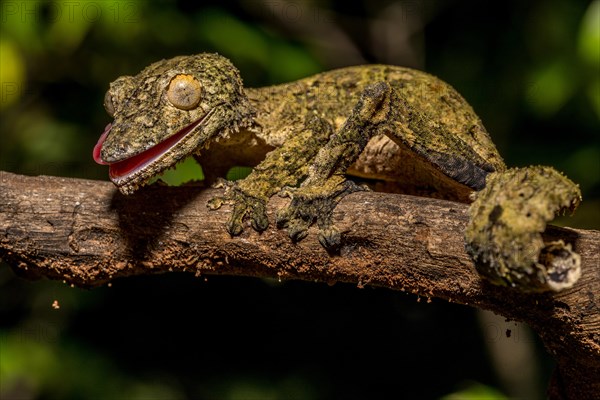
[259, 220]
[330, 238]
[234, 227]
[245, 207]
[312, 204]
[297, 231]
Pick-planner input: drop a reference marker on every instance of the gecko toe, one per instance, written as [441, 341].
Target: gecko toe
[245, 207]
[330, 238]
[235, 223]
[259, 220]
[234, 227]
[297, 230]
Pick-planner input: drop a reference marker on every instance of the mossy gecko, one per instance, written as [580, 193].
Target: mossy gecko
[398, 128]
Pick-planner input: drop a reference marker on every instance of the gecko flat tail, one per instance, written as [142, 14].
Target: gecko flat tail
[506, 221]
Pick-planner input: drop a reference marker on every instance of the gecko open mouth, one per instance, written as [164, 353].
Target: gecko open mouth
[131, 170]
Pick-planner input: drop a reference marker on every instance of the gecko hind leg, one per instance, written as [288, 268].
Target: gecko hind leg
[318, 195]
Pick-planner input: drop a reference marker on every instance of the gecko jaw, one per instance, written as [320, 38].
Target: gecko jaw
[135, 171]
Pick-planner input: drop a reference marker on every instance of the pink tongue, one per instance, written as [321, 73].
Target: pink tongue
[125, 167]
[98, 146]
[132, 164]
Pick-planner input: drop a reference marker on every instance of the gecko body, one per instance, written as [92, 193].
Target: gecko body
[395, 128]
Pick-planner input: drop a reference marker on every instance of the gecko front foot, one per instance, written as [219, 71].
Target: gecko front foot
[315, 203]
[245, 206]
[506, 222]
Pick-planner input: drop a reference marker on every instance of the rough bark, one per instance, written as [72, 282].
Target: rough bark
[84, 232]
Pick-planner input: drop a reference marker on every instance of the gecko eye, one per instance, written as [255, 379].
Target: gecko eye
[184, 92]
[108, 104]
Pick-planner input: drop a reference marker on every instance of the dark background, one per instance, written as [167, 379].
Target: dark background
[531, 70]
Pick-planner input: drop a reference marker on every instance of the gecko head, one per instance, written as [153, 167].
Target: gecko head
[170, 110]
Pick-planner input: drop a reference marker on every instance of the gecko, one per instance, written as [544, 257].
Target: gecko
[392, 128]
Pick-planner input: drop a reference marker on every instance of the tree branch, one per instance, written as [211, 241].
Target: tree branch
[84, 232]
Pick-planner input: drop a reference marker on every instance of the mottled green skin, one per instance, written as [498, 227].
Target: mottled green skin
[426, 117]
[143, 116]
[383, 123]
[507, 218]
